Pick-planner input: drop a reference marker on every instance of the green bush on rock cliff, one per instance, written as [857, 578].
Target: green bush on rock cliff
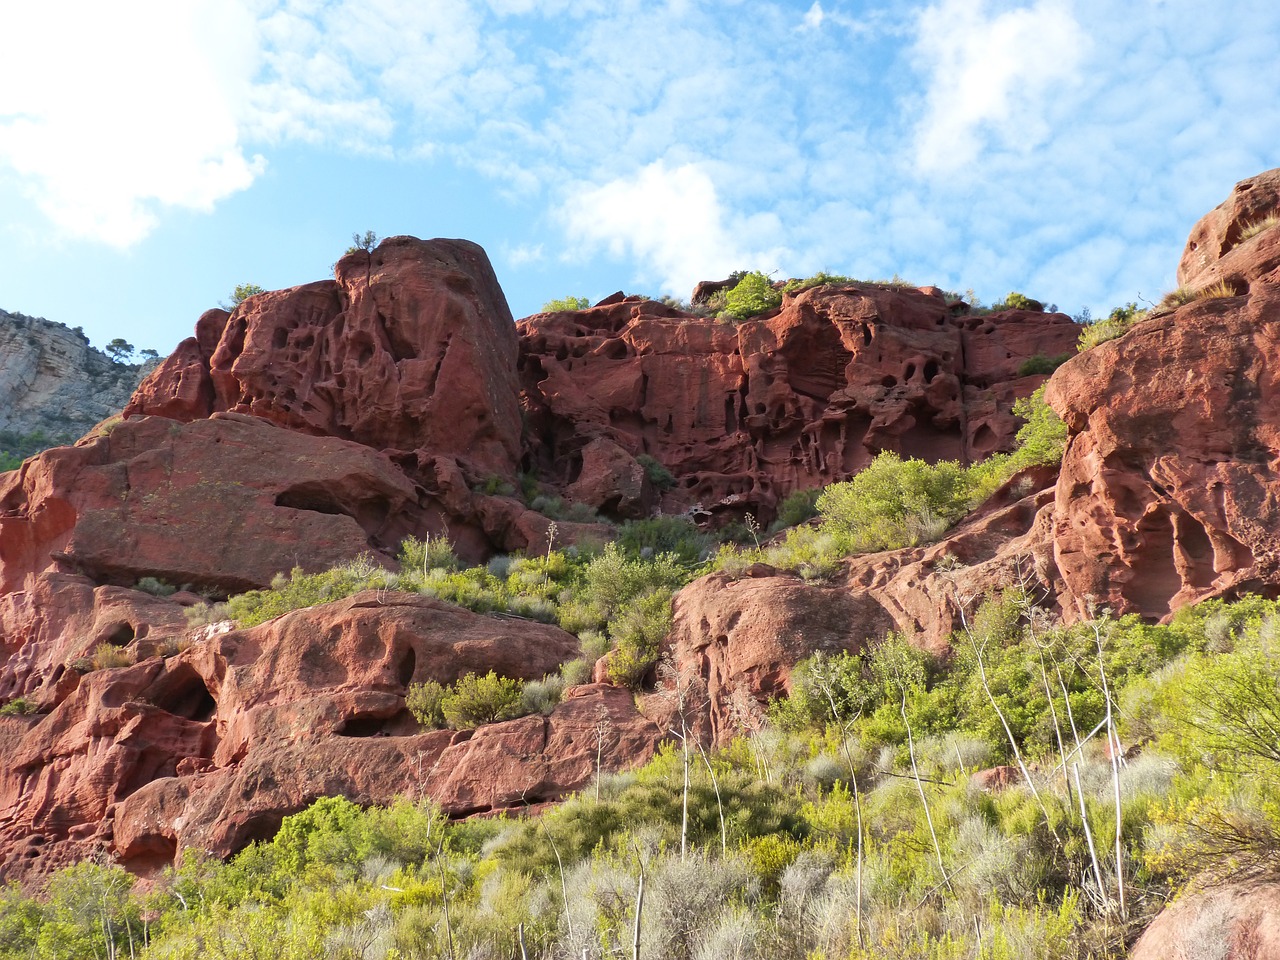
[753, 294]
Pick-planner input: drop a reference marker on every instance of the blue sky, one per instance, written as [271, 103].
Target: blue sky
[155, 153]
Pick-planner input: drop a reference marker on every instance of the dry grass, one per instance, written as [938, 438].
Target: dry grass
[106, 656]
[1255, 227]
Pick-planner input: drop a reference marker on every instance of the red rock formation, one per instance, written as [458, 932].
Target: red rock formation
[212, 747]
[411, 350]
[745, 414]
[1168, 491]
[742, 636]
[1239, 921]
[1218, 250]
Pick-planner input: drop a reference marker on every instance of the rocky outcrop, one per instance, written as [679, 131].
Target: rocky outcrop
[213, 746]
[52, 382]
[745, 414]
[1239, 921]
[1238, 241]
[410, 350]
[1168, 492]
[737, 638]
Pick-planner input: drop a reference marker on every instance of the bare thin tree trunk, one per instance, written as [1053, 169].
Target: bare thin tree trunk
[928, 817]
[715, 785]
[1115, 750]
[1088, 834]
[635, 935]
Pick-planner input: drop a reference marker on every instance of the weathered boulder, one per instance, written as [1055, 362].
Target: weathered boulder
[742, 636]
[1168, 491]
[411, 350]
[226, 502]
[743, 415]
[1238, 921]
[213, 746]
[1218, 249]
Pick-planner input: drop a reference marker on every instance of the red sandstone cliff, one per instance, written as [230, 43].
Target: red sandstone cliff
[314, 424]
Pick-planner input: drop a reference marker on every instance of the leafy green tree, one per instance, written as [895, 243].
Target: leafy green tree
[241, 293]
[365, 242]
[120, 349]
[565, 304]
[149, 354]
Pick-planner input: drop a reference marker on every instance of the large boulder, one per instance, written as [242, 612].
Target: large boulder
[411, 350]
[1168, 492]
[1238, 921]
[1237, 242]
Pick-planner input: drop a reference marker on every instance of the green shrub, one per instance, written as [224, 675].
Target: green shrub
[637, 633]
[752, 295]
[658, 475]
[155, 587]
[107, 656]
[895, 503]
[18, 707]
[819, 279]
[433, 553]
[1040, 363]
[1041, 439]
[797, 507]
[1116, 325]
[566, 304]
[425, 701]
[476, 700]
[675, 535]
[1016, 301]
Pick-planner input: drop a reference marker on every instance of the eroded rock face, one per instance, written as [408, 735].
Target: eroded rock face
[1168, 492]
[211, 748]
[1239, 921]
[737, 639]
[1218, 249]
[745, 414]
[226, 502]
[411, 350]
[53, 381]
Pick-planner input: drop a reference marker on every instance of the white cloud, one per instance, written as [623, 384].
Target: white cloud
[672, 220]
[991, 76]
[120, 112]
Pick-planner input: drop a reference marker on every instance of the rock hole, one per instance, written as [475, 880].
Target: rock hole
[183, 693]
[121, 635]
[930, 370]
[866, 334]
[313, 497]
[376, 725]
[404, 669]
[280, 338]
[888, 381]
[909, 372]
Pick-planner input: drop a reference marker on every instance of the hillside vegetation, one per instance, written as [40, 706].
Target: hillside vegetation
[850, 826]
